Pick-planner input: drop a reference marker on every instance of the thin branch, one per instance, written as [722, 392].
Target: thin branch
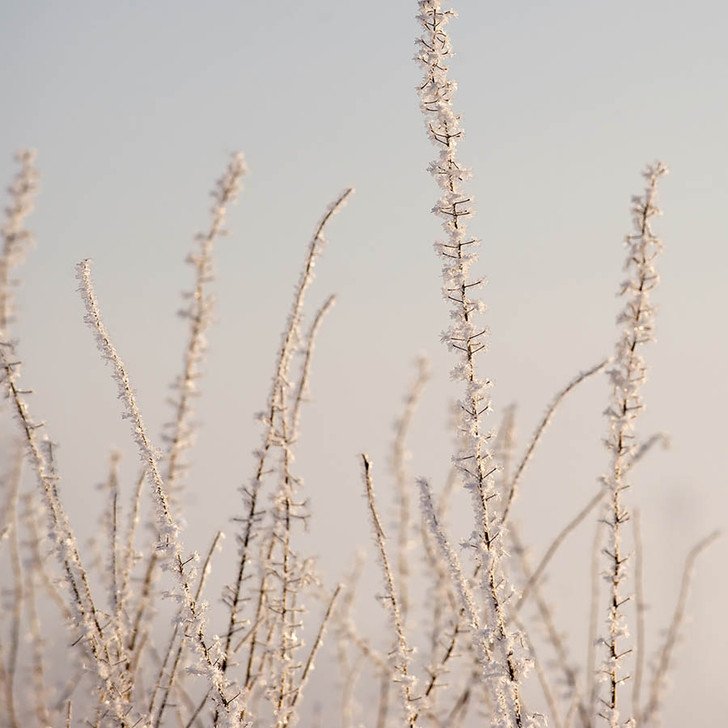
[664, 660]
[543, 425]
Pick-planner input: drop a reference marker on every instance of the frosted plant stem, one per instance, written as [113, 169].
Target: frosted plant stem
[174, 662]
[639, 593]
[534, 579]
[128, 561]
[401, 654]
[84, 614]
[569, 675]
[659, 438]
[400, 456]
[19, 595]
[199, 313]
[627, 376]
[271, 419]
[302, 387]
[466, 339]
[546, 688]
[308, 666]
[664, 660]
[35, 540]
[38, 649]
[483, 643]
[542, 427]
[119, 657]
[594, 610]
[170, 545]
[15, 238]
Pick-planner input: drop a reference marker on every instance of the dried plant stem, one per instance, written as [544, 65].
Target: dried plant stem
[594, 609]
[38, 657]
[483, 642]
[546, 688]
[271, 422]
[170, 545]
[199, 314]
[466, 339]
[639, 593]
[15, 238]
[627, 377]
[19, 593]
[308, 666]
[569, 675]
[302, 386]
[171, 664]
[538, 572]
[403, 486]
[664, 660]
[401, 655]
[81, 604]
[542, 427]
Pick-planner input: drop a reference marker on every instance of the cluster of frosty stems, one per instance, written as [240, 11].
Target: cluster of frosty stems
[169, 545]
[82, 610]
[466, 338]
[627, 377]
[179, 431]
[84, 614]
[280, 421]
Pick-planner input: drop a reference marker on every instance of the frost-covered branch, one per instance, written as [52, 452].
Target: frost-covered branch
[627, 377]
[401, 652]
[276, 415]
[199, 313]
[664, 661]
[512, 485]
[169, 546]
[466, 339]
[15, 238]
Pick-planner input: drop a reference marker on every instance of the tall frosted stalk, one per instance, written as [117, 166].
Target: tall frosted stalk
[629, 373]
[466, 338]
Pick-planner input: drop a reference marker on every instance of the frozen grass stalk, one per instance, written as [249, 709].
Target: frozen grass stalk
[169, 545]
[15, 238]
[465, 338]
[627, 376]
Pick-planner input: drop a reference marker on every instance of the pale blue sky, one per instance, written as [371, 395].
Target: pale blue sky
[134, 108]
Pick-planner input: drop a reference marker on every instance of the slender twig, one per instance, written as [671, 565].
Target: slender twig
[543, 425]
[664, 659]
[302, 387]
[401, 654]
[640, 606]
[15, 238]
[539, 571]
[466, 339]
[308, 666]
[627, 377]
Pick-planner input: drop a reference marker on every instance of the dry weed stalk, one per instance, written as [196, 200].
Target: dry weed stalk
[627, 377]
[502, 664]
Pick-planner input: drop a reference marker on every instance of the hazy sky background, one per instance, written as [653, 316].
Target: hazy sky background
[134, 108]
